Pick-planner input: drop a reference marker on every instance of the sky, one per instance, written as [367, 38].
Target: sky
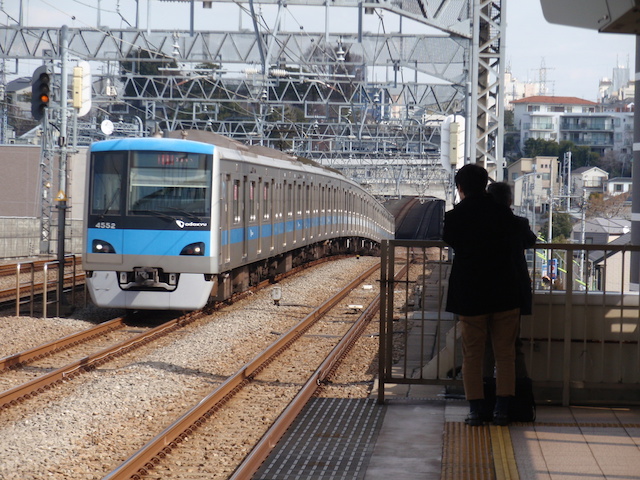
[574, 59]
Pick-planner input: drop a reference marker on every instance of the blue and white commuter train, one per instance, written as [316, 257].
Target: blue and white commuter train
[172, 223]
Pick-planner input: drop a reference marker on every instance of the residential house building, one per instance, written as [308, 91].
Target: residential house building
[605, 269]
[600, 230]
[535, 181]
[588, 180]
[618, 185]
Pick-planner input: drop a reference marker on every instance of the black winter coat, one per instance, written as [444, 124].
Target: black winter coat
[528, 240]
[486, 242]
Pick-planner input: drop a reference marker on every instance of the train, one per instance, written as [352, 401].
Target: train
[174, 222]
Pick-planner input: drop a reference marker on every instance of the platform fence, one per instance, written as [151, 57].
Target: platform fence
[581, 344]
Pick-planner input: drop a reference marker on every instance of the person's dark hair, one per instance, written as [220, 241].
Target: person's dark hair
[501, 192]
[472, 179]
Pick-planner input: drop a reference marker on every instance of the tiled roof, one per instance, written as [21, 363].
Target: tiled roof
[549, 99]
[612, 226]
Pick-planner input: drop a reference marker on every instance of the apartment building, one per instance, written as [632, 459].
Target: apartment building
[535, 182]
[573, 119]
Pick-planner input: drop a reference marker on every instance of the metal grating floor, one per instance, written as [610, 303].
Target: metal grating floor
[332, 439]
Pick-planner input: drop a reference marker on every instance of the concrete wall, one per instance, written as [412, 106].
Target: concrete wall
[20, 202]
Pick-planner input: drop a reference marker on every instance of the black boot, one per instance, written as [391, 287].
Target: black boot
[474, 418]
[501, 412]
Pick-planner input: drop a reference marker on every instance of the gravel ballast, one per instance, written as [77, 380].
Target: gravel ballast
[83, 430]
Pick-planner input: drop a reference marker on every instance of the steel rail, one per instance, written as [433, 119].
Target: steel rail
[10, 268]
[27, 356]
[144, 460]
[269, 440]
[38, 385]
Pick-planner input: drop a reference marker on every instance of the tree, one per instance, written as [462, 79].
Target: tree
[561, 227]
[605, 206]
[539, 147]
[580, 156]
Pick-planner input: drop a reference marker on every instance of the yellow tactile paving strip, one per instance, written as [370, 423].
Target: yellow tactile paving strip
[479, 453]
[504, 458]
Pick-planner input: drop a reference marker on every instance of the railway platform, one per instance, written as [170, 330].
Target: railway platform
[419, 434]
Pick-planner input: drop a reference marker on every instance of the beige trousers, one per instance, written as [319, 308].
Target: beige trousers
[503, 327]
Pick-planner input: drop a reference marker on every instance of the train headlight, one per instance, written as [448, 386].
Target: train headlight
[193, 249]
[99, 246]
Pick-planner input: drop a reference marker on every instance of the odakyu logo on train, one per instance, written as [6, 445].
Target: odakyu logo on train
[183, 224]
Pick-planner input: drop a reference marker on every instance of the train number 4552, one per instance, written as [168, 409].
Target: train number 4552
[105, 225]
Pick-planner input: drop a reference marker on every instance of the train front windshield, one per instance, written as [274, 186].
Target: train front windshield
[154, 182]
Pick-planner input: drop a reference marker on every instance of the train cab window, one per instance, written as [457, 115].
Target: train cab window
[252, 201]
[107, 182]
[170, 182]
[235, 209]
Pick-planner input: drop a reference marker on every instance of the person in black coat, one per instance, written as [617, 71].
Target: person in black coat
[484, 288]
[501, 192]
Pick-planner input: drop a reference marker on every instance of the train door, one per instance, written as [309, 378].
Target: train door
[288, 211]
[267, 230]
[306, 212]
[313, 219]
[279, 217]
[322, 223]
[297, 213]
[347, 211]
[331, 210]
[249, 218]
[259, 217]
[235, 235]
[226, 219]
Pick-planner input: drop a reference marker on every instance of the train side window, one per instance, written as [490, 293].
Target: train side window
[252, 201]
[223, 192]
[289, 205]
[236, 202]
[107, 183]
[266, 202]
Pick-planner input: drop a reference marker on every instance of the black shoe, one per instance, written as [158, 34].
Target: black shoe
[474, 419]
[500, 419]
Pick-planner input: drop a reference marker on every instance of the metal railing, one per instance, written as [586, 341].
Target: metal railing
[35, 280]
[581, 345]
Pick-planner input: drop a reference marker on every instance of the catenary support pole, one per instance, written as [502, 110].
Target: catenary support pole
[63, 174]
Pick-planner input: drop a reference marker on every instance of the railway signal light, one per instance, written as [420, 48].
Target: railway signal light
[40, 91]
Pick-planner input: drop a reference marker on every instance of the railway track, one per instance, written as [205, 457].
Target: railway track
[98, 370]
[28, 373]
[183, 448]
[278, 377]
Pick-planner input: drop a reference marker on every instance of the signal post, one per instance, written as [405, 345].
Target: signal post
[41, 96]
